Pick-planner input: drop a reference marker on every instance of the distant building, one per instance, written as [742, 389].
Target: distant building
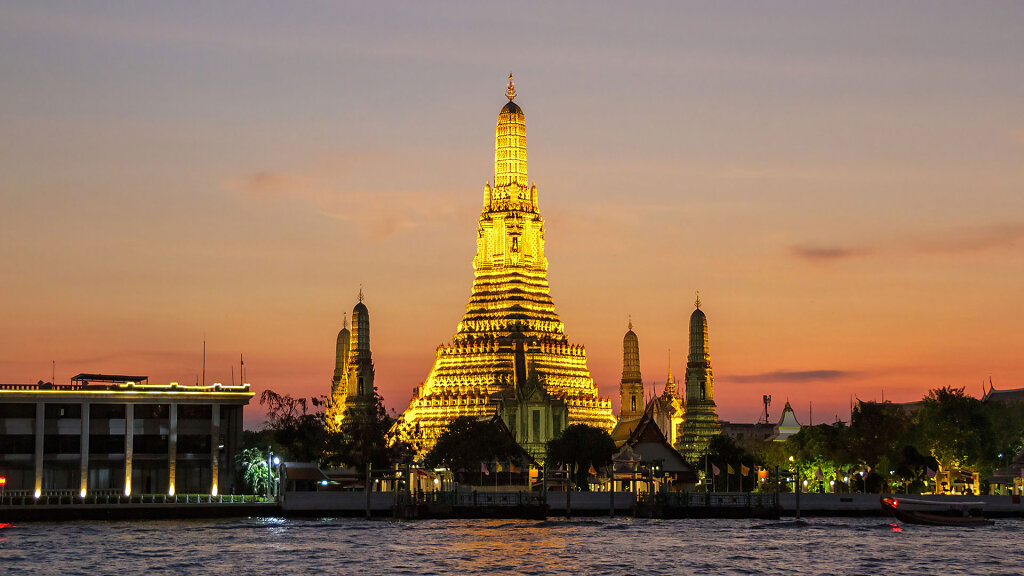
[1005, 396]
[664, 411]
[352, 385]
[120, 434]
[631, 386]
[750, 436]
[788, 424]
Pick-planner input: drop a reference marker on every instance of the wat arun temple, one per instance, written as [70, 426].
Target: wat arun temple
[510, 356]
[510, 316]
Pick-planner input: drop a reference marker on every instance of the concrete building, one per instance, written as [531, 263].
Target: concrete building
[120, 434]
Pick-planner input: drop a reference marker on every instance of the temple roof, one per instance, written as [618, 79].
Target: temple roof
[511, 108]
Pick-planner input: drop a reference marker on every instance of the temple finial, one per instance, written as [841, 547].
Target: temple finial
[670, 365]
[345, 323]
[510, 90]
[698, 300]
[360, 292]
[630, 323]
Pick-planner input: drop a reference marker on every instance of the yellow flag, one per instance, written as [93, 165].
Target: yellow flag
[729, 469]
[744, 470]
[497, 466]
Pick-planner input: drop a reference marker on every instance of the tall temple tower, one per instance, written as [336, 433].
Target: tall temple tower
[509, 306]
[631, 387]
[339, 384]
[352, 385]
[700, 420]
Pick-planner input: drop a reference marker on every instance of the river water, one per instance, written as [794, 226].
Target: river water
[578, 546]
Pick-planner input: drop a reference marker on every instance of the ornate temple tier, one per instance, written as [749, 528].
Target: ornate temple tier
[510, 305]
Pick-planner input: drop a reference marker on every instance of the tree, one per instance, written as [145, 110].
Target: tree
[468, 442]
[955, 428]
[363, 438]
[580, 447]
[254, 469]
[878, 430]
[300, 434]
[823, 447]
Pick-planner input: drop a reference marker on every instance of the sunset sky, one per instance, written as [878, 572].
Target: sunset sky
[842, 182]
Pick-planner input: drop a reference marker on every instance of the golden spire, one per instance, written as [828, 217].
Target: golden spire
[510, 180]
[630, 323]
[669, 365]
[697, 304]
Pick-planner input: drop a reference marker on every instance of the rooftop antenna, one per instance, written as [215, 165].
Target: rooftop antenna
[767, 399]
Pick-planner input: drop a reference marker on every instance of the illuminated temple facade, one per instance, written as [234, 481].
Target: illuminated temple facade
[510, 309]
[352, 385]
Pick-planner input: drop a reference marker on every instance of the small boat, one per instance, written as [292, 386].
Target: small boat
[966, 514]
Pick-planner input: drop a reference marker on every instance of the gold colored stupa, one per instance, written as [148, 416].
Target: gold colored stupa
[510, 305]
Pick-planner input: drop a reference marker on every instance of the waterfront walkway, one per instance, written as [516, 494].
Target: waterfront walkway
[462, 504]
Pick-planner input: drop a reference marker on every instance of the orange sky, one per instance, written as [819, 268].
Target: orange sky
[843, 186]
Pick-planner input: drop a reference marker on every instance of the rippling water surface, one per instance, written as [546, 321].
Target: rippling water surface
[578, 546]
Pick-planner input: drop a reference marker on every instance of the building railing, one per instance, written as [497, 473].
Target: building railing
[71, 497]
[713, 499]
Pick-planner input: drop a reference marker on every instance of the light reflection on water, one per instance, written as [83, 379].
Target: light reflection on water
[591, 546]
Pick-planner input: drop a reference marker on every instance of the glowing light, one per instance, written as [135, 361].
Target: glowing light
[37, 494]
[213, 491]
[82, 493]
[277, 461]
[128, 490]
[170, 490]
[3, 480]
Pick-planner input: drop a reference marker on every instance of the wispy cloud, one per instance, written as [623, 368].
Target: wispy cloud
[786, 376]
[828, 253]
[351, 189]
[957, 241]
[971, 240]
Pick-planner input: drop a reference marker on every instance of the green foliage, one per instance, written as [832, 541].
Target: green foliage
[894, 448]
[823, 447]
[878, 430]
[300, 434]
[468, 442]
[955, 428]
[254, 470]
[578, 448]
[363, 439]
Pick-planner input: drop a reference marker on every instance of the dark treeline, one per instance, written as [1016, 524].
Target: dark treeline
[891, 448]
